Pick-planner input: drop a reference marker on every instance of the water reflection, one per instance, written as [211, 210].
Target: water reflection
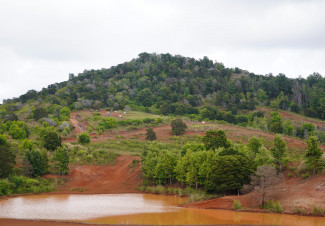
[134, 209]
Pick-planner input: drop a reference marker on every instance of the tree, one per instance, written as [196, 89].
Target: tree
[7, 160]
[45, 161]
[278, 151]
[264, 178]
[27, 144]
[216, 139]
[61, 161]
[35, 159]
[65, 114]
[178, 126]
[230, 173]
[276, 122]
[255, 144]
[51, 139]
[108, 123]
[84, 138]
[17, 132]
[313, 154]
[150, 135]
[3, 139]
[39, 113]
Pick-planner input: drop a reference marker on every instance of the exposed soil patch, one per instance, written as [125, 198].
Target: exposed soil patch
[293, 193]
[110, 179]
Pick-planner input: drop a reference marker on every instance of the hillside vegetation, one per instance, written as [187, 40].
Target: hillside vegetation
[195, 124]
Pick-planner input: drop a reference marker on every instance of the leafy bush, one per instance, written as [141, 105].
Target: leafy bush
[274, 206]
[84, 138]
[178, 126]
[21, 184]
[237, 204]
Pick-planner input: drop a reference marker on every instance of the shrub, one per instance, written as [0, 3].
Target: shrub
[151, 135]
[84, 138]
[237, 204]
[305, 175]
[178, 126]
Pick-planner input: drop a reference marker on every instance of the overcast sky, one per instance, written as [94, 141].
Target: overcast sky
[42, 41]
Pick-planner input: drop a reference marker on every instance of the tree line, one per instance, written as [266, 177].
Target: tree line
[219, 166]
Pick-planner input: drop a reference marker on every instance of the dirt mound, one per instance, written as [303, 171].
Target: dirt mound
[293, 194]
[110, 179]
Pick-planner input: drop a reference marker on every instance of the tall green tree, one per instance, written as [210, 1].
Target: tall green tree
[35, 158]
[178, 126]
[278, 151]
[7, 160]
[313, 154]
[275, 123]
[216, 139]
[61, 161]
[230, 173]
[51, 139]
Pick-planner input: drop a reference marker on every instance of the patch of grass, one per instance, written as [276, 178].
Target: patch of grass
[318, 211]
[237, 204]
[78, 189]
[135, 163]
[274, 206]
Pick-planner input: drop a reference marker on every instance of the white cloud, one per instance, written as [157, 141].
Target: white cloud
[42, 41]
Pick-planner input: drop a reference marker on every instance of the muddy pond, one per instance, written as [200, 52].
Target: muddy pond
[135, 209]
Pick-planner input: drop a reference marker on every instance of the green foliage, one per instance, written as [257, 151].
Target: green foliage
[255, 144]
[313, 155]
[150, 134]
[34, 158]
[318, 211]
[21, 184]
[65, 114]
[39, 113]
[237, 204]
[51, 139]
[108, 123]
[7, 160]
[3, 139]
[17, 131]
[229, 173]
[84, 138]
[275, 122]
[274, 206]
[61, 161]
[216, 139]
[27, 144]
[288, 128]
[278, 151]
[178, 126]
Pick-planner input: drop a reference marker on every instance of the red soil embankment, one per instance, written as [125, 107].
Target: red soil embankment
[293, 193]
[110, 179]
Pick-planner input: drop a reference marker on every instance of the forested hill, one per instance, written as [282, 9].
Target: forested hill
[167, 84]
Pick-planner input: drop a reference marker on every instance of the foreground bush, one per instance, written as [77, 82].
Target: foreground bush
[21, 184]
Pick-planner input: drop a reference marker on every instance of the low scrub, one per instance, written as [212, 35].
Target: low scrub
[274, 206]
[194, 195]
[21, 184]
[318, 211]
[237, 205]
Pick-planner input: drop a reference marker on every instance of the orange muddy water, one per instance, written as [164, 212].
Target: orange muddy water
[135, 209]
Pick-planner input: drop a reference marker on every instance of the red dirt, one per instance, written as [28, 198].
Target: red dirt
[78, 122]
[293, 193]
[110, 179]
[286, 115]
